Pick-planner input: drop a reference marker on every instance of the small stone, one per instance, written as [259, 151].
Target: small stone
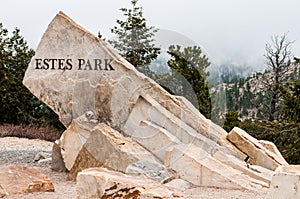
[45, 161]
[41, 156]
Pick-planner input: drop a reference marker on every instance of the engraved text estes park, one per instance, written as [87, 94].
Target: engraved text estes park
[69, 64]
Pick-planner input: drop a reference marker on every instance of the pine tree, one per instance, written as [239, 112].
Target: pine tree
[231, 120]
[135, 38]
[291, 102]
[18, 105]
[190, 65]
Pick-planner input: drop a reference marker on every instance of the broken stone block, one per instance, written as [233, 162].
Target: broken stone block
[199, 168]
[254, 171]
[108, 148]
[74, 138]
[57, 163]
[93, 77]
[256, 152]
[97, 183]
[273, 148]
[285, 183]
[156, 128]
[17, 179]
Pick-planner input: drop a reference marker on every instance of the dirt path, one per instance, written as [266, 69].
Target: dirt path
[23, 151]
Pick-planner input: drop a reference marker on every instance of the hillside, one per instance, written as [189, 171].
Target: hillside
[246, 95]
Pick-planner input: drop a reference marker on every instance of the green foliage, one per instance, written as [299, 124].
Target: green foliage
[231, 120]
[285, 136]
[190, 65]
[18, 105]
[291, 102]
[135, 39]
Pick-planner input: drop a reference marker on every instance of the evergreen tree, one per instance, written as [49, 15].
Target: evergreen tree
[191, 64]
[231, 120]
[18, 105]
[291, 102]
[135, 38]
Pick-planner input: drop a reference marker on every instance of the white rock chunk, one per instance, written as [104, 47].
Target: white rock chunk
[108, 148]
[200, 168]
[257, 153]
[285, 183]
[74, 138]
[97, 183]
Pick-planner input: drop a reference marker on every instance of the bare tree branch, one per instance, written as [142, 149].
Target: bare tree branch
[278, 58]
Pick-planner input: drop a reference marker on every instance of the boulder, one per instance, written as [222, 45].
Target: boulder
[74, 72]
[118, 118]
[97, 183]
[256, 152]
[108, 148]
[254, 171]
[270, 146]
[285, 183]
[201, 169]
[157, 129]
[17, 179]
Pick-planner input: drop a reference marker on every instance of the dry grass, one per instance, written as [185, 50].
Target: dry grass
[30, 131]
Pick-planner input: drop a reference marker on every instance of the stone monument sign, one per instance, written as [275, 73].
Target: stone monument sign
[118, 118]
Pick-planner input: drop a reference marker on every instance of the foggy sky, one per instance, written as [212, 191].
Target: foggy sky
[227, 30]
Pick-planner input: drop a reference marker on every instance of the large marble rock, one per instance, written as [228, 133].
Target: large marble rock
[268, 157]
[285, 183]
[254, 171]
[118, 118]
[97, 183]
[17, 179]
[157, 129]
[74, 72]
[200, 168]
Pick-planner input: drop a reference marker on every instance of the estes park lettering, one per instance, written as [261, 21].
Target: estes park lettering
[69, 64]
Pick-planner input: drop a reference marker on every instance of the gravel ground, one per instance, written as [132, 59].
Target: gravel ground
[23, 151]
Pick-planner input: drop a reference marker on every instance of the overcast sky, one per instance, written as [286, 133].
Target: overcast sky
[228, 30]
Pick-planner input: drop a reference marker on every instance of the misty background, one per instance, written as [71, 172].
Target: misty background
[228, 31]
